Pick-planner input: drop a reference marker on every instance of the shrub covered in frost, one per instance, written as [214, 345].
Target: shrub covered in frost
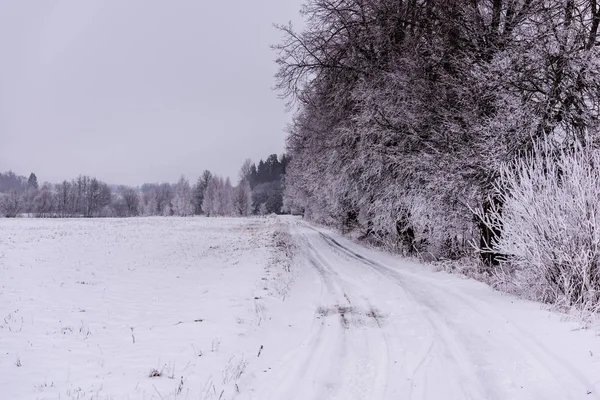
[550, 225]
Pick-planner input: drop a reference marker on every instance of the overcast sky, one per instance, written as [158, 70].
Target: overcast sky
[139, 90]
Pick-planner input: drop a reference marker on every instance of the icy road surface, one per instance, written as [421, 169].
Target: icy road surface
[198, 308]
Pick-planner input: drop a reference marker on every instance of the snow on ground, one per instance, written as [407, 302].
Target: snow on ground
[385, 328]
[89, 308]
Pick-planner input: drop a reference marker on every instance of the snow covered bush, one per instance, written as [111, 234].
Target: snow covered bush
[549, 222]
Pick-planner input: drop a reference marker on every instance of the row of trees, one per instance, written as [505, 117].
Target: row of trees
[83, 196]
[407, 112]
[259, 191]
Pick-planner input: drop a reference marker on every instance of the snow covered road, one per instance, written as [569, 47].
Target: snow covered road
[388, 329]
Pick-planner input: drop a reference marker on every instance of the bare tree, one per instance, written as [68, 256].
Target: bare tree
[211, 202]
[132, 201]
[65, 199]
[10, 204]
[246, 171]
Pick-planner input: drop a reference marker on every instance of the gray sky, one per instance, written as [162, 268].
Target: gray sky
[139, 90]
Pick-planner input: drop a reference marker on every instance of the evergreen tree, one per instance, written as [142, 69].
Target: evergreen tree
[262, 174]
[32, 182]
[253, 175]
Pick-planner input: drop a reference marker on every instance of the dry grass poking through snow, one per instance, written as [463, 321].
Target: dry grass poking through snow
[281, 264]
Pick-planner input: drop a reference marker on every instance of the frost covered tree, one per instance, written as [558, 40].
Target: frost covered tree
[243, 198]
[406, 110]
[164, 197]
[211, 202]
[242, 193]
[226, 198]
[11, 181]
[97, 196]
[28, 200]
[245, 173]
[183, 200]
[199, 189]
[156, 199]
[131, 201]
[64, 199]
[219, 198]
[149, 205]
[45, 201]
[167, 209]
[10, 204]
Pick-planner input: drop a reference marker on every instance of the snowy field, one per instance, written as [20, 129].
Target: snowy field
[198, 308]
[90, 309]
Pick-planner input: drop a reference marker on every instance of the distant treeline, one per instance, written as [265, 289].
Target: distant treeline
[258, 191]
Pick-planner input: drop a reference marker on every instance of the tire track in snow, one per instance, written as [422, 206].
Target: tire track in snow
[435, 338]
[336, 360]
[339, 290]
[441, 342]
[297, 377]
[510, 336]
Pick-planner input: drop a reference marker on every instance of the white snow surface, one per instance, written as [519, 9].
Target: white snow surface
[89, 308]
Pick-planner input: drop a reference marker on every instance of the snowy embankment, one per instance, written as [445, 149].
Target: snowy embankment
[266, 308]
[95, 308]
